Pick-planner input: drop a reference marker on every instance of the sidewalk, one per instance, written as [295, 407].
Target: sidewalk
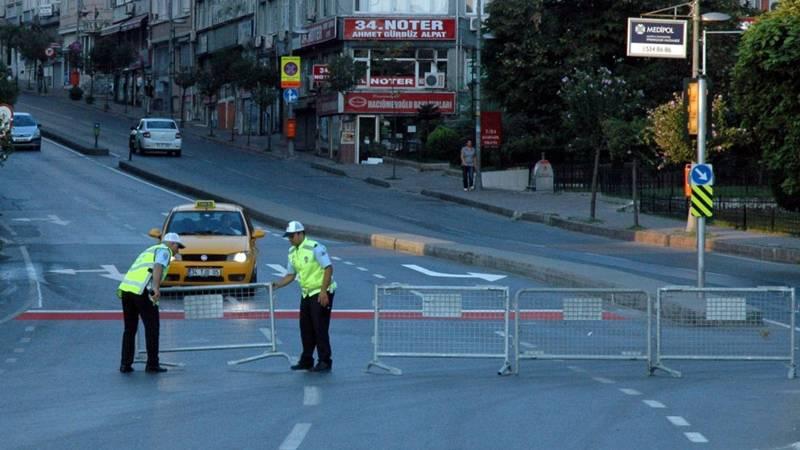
[568, 210]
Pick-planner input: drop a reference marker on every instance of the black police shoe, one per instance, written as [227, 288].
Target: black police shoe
[322, 367]
[125, 369]
[157, 369]
[300, 366]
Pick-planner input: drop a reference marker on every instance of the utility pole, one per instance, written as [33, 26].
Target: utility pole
[171, 51]
[478, 182]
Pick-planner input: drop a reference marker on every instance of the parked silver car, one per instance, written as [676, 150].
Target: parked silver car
[155, 134]
[25, 132]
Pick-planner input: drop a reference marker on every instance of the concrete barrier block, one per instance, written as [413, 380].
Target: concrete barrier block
[383, 241]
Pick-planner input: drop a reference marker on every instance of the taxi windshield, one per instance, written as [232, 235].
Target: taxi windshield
[216, 223]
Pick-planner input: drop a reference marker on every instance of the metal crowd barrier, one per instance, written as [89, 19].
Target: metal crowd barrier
[219, 317]
[609, 324]
[440, 322]
[725, 324]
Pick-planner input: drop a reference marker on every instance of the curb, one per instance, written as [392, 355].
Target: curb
[465, 201]
[80, 148]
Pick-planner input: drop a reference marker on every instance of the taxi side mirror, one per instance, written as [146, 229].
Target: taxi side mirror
[258, 233]
[154, 233]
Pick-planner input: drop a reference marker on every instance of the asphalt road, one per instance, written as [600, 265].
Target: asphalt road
[61, 210]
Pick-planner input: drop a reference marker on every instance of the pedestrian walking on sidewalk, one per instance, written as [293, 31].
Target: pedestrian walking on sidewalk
[310, 264]
[140, 291]
[468, 166]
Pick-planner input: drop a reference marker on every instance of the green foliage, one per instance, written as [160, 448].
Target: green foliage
[628, 139]
[186, 77]
[428, 116]
[766, 82]
[8, 88]
[443, 144]
[109, 56]
[343, 74]
[75, 93]
[32, 43]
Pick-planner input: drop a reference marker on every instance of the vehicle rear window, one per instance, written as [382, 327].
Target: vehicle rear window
[161, 125]
[218, 223]
[24, 121]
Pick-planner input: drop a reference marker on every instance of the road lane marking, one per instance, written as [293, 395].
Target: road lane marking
[8, 229]
[697, 438]
[31, 274]
[653, 404]
[491, 278]
[29, 329]
[24, 340]
[11, 360]
[361, 269]
[349, 263]
[19, 350]
[630, 391]
[336, 258]
[576, 369]
[678, 421]
[295, 437]
[603, 380]
[780, 324]
[379, 276]
[311, 396]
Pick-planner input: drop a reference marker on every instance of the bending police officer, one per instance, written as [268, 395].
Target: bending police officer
[140, 291]
[310, 264]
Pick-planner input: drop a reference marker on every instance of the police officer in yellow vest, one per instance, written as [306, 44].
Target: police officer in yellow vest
[310, 264]
[140, 291]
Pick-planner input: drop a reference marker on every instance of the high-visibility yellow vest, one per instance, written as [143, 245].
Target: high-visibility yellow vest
[309, 273]
[139, 274]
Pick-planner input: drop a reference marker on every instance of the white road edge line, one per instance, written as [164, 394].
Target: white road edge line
[32, 274]
[603, 380]
[379, 276]
[628, 391]
[295, 437]
[780, 324]
[121, 172]
[678, 421]
[697, 438]
[312, 396]
[653, 404]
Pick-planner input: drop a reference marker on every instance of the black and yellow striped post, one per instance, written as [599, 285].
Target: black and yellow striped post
[702, 200]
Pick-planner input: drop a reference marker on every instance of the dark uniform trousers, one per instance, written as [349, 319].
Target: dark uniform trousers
[133, 306]
[315, 321]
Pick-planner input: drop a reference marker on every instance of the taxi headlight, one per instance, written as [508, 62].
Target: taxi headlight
[238, 257]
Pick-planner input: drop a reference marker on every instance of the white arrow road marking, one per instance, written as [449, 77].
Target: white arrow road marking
[279, 269]
[311, 396]
[113, 273]
[483, 276]
[52, 218]
[109, 271]
[295, 437]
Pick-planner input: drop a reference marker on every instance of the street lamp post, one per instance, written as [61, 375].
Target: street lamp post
[171, 51]
[290, 106]
[478, 41]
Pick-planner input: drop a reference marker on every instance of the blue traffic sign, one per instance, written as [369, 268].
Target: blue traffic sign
[290, 95]
[702, 175]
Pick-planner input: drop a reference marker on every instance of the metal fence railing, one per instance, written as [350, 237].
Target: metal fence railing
[222, 317]
[440, 321]
[725, 324]
[582, 324]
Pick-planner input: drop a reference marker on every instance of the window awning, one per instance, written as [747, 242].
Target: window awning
[124, 25]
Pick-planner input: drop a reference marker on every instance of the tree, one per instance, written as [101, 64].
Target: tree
[766, 83]
[185, 78]
[212, 78]
[239, 75]
[261, 82]
[627, 139]
[8, 95]
[108, 56]
[32, 44]
[428, 115]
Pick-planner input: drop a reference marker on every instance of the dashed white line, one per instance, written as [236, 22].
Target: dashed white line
[653, 404]
[603, 380]
[379, 276]
[30, 329]
[336, 258]
[361, 269]
[527, 345]
[24, 340]
[349, 263]
[576, 369]
[697, 438]
[311, 396]
[630, 391]
[295, 437]
[678, 421]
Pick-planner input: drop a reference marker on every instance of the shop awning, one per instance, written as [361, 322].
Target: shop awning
[124, 25]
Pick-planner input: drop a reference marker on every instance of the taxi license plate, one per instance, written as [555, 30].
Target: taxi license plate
[204, 272]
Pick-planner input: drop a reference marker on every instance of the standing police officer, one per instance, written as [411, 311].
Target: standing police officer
[140, 291]
[310, 264]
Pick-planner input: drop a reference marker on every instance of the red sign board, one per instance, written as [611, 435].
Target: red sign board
[491, 129]
[319, 32]
[320, 72]
[397, 103]
[381, 82]
[291, 128]
[398, 29]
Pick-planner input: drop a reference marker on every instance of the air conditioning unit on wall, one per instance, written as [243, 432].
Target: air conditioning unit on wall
[434, 79]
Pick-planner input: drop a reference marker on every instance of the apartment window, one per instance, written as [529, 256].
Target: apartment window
[472, 5]
[402, 6]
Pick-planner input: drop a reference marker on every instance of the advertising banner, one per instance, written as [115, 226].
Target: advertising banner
[398, 29]
[657, 38]
[397, 103]
[491, 129]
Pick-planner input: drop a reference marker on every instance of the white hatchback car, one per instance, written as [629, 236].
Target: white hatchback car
[155, 134]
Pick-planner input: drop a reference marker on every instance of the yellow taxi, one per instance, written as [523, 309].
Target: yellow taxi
[220, 244]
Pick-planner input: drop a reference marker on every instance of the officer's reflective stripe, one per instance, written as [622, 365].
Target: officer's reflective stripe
[139, 274]
[309, 273]
[148, 265]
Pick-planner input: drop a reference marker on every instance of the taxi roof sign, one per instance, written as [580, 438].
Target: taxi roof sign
[204, 204]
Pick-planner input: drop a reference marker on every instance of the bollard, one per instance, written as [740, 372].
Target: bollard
[96, 133]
